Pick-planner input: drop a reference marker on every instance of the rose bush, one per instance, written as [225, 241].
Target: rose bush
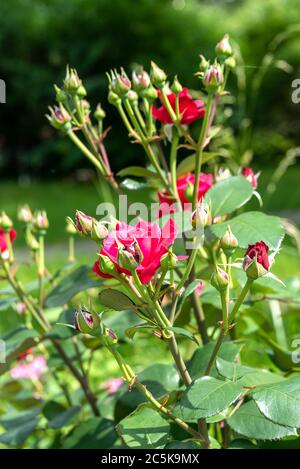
[181, 334]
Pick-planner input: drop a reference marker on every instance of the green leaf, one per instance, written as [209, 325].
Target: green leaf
[188, 164]
[280, 402]
[241, 443]
[187, 292]
[137, 171]
[199, 361]
[116, 300]
[180, 332]
[208, 396]
[52, 409]
[145, 327]
[251, 227]
[250, 422]
[19, 428]
[77, 281]
[64, 418]
[246, 375]
[132, 185]
[183, 445]
[145, 428]
[228, 195]
[95, 433]
[17, 341]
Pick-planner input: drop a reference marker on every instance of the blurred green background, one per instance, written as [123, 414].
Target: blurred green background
[39, 37]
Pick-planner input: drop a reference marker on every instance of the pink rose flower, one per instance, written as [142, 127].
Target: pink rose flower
[152, 241]
[248, 173]
[189, 108]
[205, 183]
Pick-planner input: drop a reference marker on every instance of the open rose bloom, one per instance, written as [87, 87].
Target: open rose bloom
[152, 241]
[190, 109]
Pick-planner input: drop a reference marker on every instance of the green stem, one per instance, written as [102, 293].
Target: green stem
[240, 300]
[71, 257]
[86, 152]
[224, 304]
[41, 269]
[198, 156]
[173, 163]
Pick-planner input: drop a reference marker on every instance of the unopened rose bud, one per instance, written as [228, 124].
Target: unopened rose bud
[84, 223]
[168, 261]
[40, 220]
[99, 231]
[106, 265]
[129, 257]
[133, 97]
[189, 191]
[201, 216]
[70, 227]
[59, 118]
[150, 94]
[120, 83]
[228, 242]
[114, 99]
[140, 79]
[176, 86]
[256, 260]
[99, 114]
[81, 92]
[230, 62]
[204, 64]
[157, 75]
[61, 95]
[88, 322]
[5, 222]
[25, 214]
[72, 81]
[223, 48]
[220, 279]
[111, 336]
[213, 77]
[31, 241]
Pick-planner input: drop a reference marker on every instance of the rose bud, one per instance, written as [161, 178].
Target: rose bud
[168, 261]
[140, 79]
[129, 257]
[219, 279]
[72, 81]
[201, 216]
[222, 174]
[99, 231]
[110, 336]
[250, 176]
[70, 227]
[256, 260]
[25, 214]
[230, 62]
[61, 95]
[133, 97]
[204, 64]
[228, 242]
[59, 118]
[157, 75]
[40, 220]
[105, 266]
[120, 83]
[84, 223]
[87, 322]
[99, 114]
[5, 222]
[150, 94]
[176, 86]
[223, 48]
[189, 191]
[213, 77]
[113, 98]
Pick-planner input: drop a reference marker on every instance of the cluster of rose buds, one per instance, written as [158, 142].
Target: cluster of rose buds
[36, 224]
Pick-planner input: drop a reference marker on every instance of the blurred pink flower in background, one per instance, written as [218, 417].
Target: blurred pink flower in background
[112, 385]
[29, 368]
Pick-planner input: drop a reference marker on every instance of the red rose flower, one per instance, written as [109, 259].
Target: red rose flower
[3, 243]
[205, 183]
[189, 108]
[250, 176]
[152, 241]
[260, 251]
